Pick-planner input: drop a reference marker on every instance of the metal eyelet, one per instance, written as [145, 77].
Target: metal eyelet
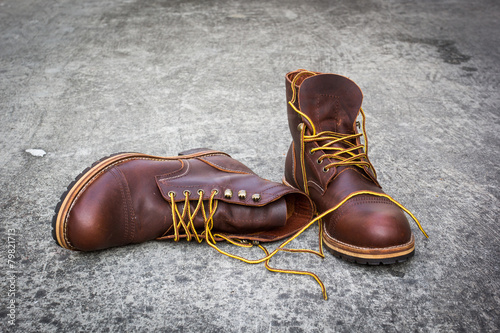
[186, 193]
[201, 192]
[300, 127]
[216, 191]
[311, 151]
[170, 193]
[242, 194]
[319, 161]
[325, 169]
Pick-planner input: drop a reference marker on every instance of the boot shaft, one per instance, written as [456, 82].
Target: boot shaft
[323, 106]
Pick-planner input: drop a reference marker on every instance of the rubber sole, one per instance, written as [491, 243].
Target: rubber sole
[387, 256]
[367, 256]
[72, 191]
[372, 262]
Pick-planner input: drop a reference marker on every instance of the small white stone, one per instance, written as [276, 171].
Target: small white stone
[36, 152]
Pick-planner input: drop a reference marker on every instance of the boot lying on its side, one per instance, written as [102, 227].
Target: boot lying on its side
[132, 198]
[199, 195]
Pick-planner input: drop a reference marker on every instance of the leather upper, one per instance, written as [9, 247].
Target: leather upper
[130, 202]
[332, 102]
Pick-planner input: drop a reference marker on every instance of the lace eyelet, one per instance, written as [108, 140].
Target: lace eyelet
[201, 192]
[186, 193]
[216, 191]
[311, 151]
[319, 161]
[325, 169]
[172, 193]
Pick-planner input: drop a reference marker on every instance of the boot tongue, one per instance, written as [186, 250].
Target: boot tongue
[331, 101]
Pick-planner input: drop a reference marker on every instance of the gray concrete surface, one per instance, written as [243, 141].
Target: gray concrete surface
[84, 79]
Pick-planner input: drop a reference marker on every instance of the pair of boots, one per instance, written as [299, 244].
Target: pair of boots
[206, 195]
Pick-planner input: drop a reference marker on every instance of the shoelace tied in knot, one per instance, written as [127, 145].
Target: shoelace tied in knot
[183, 225]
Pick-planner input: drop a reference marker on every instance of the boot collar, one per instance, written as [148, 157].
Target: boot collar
[331, 101]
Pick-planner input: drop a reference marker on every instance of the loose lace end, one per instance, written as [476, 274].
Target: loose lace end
[185, 221]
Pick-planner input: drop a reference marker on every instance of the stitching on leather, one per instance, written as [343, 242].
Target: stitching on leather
[213, 154]
[367, 199]
[175, 171]
[316, 112]
[264, 191]
[178, 176]
[354, 201]
[294, 164]
[336, 106]
[90, 181]
[334, 218]
[133, 221]
[368, 248]
[351, 168]
[221, 167]
[116, 175]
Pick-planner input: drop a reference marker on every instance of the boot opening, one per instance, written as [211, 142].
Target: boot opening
[302, 77]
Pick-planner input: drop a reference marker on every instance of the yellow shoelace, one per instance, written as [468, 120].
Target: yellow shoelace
[345, 156]
[185, 221]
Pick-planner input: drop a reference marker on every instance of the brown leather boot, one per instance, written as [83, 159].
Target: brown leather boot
[328, 160]
[132, 198]
[199, 195]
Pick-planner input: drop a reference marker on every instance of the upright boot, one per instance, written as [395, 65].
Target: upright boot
[328, 160]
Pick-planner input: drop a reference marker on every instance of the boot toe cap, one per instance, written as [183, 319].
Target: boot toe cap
[373, 223]
[98, 216]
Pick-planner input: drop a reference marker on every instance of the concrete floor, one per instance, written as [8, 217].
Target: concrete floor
[84, 79]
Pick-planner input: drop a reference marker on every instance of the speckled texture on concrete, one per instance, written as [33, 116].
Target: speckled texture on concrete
[84, 79]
